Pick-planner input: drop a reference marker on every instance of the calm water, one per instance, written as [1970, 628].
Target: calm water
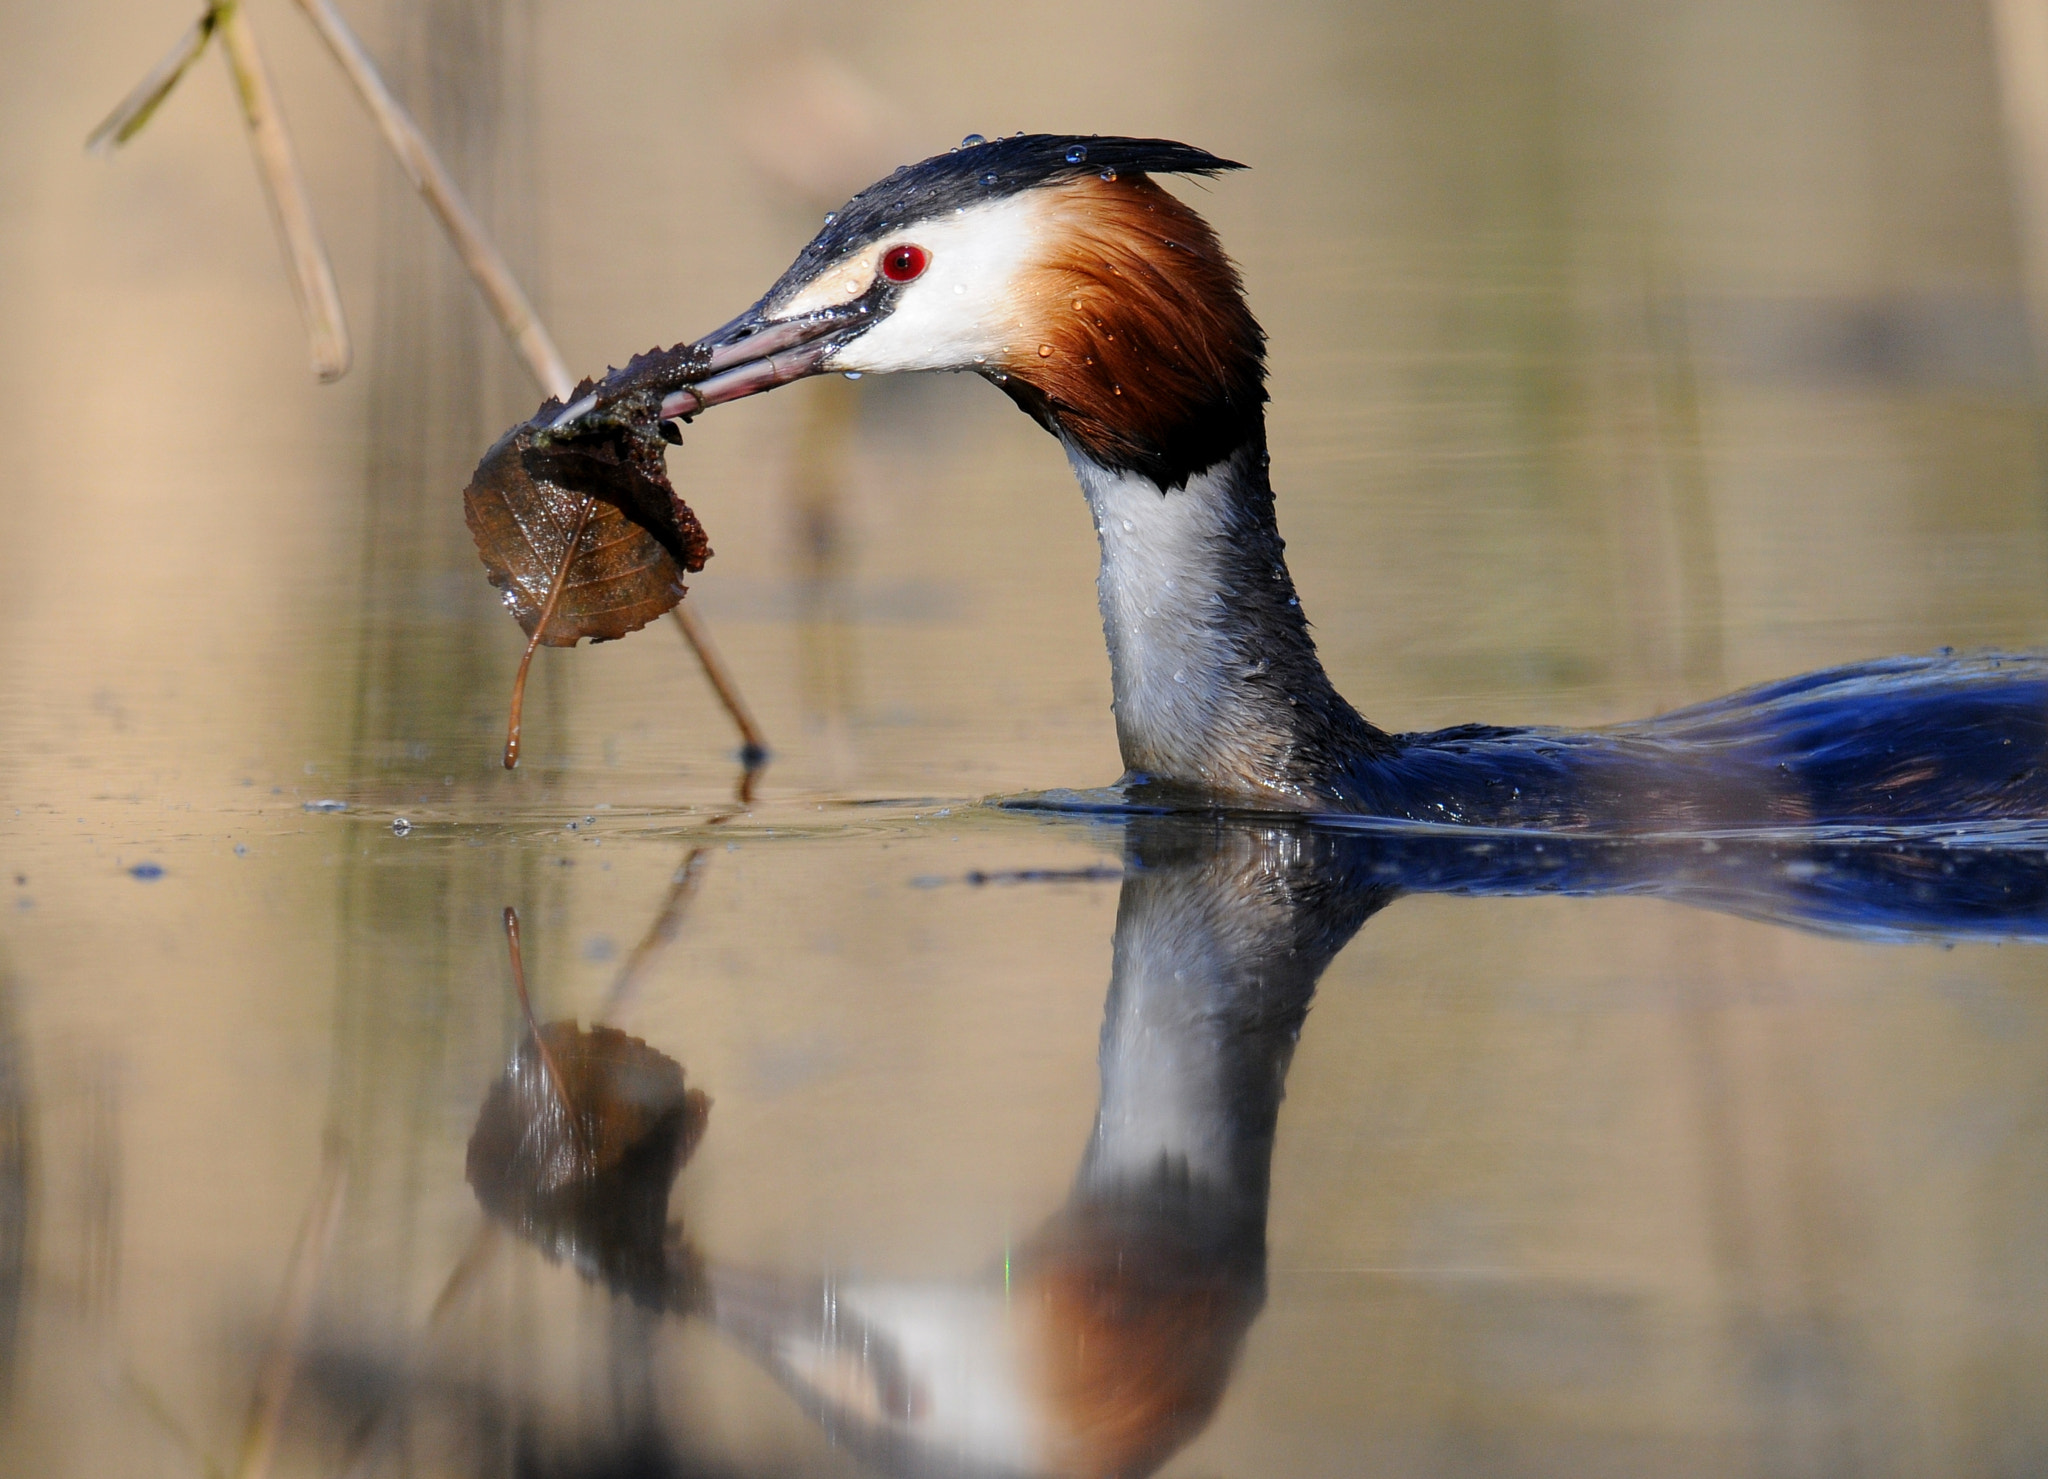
[1623, 354]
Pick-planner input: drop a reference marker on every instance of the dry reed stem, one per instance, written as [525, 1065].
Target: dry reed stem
[135, 110]
[294, 1313]
[753, 747]
[660, 934]
[431, 178]
[2020, 29]
[284, 186]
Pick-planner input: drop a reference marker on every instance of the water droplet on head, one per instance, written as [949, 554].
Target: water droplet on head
[971, 140]
[989, 178]
[960, 289]
[1129, 526]
[981, 359]
[1109, 174]
[853, 374]
[830, 217]
[1045, 351]
[1076, 154]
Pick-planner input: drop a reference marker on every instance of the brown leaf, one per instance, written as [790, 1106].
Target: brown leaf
[527, 495]
[581, 1165]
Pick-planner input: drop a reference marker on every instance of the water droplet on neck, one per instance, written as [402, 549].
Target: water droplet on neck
[1076, 154]
[989, 178]
[971, 140]
[1129, 526]
[853, 374]
[960, 289]
[1109, 174]
[830, 217]
[981, 359]
[1045, 351]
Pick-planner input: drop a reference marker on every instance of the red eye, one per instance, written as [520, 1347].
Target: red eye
[903, 263]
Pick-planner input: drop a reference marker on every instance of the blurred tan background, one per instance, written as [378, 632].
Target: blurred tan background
[1622, 354]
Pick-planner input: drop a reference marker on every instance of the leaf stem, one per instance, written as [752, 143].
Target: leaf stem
[548, 1063]
[540, 627]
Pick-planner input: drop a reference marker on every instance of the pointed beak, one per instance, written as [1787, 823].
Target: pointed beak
[751, 354]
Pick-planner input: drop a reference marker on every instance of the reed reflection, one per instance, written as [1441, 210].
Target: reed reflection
[1105, 1341]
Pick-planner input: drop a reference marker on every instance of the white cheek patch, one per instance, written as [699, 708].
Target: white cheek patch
[962, 312]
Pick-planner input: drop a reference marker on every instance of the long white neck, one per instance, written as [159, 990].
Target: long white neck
[1217, 684]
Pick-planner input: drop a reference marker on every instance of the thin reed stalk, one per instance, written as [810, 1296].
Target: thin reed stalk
[2020, 31]
[284, 186]
[480, 256]
[294, 1314]
[753, 745]
[135, 110]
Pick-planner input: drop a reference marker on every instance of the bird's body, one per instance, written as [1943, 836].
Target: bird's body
[1106, 308]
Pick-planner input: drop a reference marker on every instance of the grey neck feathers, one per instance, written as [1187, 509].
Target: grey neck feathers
[1217, 684]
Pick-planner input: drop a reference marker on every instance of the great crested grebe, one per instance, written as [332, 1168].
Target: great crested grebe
[1055, 267]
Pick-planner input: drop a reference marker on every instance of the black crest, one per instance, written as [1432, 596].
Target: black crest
[974, 174]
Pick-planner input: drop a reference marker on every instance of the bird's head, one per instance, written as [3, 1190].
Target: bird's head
[1052, 265]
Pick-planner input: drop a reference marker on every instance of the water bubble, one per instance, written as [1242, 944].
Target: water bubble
[971, 140]
[1045, 351]
[323, 806]
[1076, 154]
[241, 849]
[1109, 174]
[853, 374]
[830, 217]
[989, 178]
[400, 826]
[1129, 527]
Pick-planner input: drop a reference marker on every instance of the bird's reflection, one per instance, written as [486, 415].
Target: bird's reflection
[1104, 1342]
